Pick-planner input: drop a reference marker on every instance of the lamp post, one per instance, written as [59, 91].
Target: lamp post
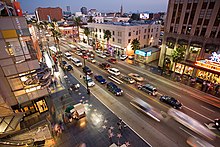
[87, 86]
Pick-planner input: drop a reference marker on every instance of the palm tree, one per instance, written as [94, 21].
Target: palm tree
[57, 35]
[135, 44]
[78, 23]
[178, 55]
[107, 35]
[87, 32]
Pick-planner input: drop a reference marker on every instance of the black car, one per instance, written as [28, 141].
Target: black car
[148, 88]
[100, 79]
[114, 89]
[68, 67]
[171, 101]
[104, 66]
[217, 123]
[87, 70]
[63, 63]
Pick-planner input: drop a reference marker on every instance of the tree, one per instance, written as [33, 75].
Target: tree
[178, 54]
[57, 35]
[107, 35]
[87, 32]
[78, 22]
[135, 44]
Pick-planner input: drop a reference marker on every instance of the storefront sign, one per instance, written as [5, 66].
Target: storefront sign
[149, 53]
[141, 53]
[215, 57]
[209, 64]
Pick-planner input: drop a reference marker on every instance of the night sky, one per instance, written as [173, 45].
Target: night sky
[100, 5]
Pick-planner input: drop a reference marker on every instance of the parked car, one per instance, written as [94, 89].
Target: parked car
[100, 79]
[92, 60]
[104, 65]
[89, 80]
[112, 60]
[128, 79]
[102, 55]
[114, 89]
[171, 101]
[151, 90]
[123, 57]
[137, 77]
[87, 70]
[68, 67]
[114, 71]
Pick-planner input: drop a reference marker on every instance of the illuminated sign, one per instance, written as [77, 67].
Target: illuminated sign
[141, 53]
[149, 53]
[215, 57]
[208, 64]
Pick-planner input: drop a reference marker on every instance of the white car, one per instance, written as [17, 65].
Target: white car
[137, 77]
[114, 71]
[91, 60]
[91, 83]
[123, 57]
[102, 55]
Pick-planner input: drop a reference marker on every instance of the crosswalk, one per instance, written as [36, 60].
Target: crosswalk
[115, 79]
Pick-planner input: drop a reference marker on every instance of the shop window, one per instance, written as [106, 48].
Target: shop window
[194, 50]
[179, 68]
[41, 105]
[188, 70]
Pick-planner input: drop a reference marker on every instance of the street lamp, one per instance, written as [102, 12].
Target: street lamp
[87, 86]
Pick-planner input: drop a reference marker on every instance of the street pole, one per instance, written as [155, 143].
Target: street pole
[87, 86]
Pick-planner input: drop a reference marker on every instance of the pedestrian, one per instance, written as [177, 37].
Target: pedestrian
[119, 125]
[109, 131]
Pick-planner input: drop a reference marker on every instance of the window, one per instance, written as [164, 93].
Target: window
[186, 18]
[129, 40]
[136, 32]
[211, 5]
[100, 36]
[119, 41]
[171, 29]
[96, 30]
[156, 35]
[129, 34]
[144, 36]
[197, 31]
[145, 30]
[188, 6]
[212, 35]
[113, 39]
[199, 21]
[204, 5]
[206, 22]
[217, 19]
[151, 35]
[119, 34]
[152, 30]
[113, 32]
[183, 30]
[139, 31]
[149, 30]
[148, 36]
[188, 30]
[100, 30]
[203, 32]
[157, 30]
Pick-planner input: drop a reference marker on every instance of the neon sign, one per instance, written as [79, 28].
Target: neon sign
[215, 57]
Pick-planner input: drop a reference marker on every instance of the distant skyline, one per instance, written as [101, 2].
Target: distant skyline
[107, 6]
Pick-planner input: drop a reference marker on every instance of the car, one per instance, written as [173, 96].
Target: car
[128, 79]
[84, 56]
[131, 57]
[102, 55]
[107, 54]
[67, 55]
[171, 101]
[114, 89]
[100, 79]
[98, 51]
[87, 70]
[148, 88]
[63, 63]
[89, 80]
[104, 65]
[217, 123]
[78, 53]
[137, 77]
[76, 62]
[112, 60]
[114, 71]
[90, 54]
[68, 67]
[123, 57]
[92, 60]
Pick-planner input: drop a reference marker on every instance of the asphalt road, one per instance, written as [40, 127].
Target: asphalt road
[193, 106]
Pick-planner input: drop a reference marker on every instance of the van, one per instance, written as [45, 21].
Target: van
[76, 62]
[68, 55]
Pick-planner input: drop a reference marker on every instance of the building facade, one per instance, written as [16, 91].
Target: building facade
[193, 25]
[46, 14]
[23, 83]
[122, 34]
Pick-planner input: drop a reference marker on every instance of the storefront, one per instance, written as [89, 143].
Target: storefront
[147, 55]
[32, 107]
[184, 69]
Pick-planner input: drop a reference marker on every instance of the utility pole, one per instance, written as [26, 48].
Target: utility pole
[87, 86]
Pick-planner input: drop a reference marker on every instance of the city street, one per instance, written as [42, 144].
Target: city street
[194, 107]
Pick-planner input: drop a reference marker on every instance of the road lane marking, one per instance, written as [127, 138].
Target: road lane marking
[198, 113]
[114, 80]
[130, 95]
[175, 93]
[207, 109]
[186, 132]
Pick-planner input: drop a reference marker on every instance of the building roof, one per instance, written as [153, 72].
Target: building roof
[133, 23]
[150, 48]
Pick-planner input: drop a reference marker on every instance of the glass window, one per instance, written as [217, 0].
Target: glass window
[199, 21]
[129, 34]
[211, 5]
[145, 30]
[129, 40]
[113, 32]
[203, 32]
[204, 5]
[206, 22]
